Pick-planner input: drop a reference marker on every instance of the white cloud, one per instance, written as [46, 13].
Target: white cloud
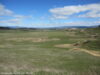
[11, 21]
[4, 11]
[14, 18]
[59, 17]
[89, 10]
[22, 16]
[92, 14]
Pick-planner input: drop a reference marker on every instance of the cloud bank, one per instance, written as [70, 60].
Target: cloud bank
[4, 11]
[58, 18]
[14, 19]
[89, 10]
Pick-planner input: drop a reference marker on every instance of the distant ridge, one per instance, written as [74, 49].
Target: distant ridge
[4, 28]
[63, 27]
[60, 27]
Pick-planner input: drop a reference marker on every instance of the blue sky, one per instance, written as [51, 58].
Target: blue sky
[49, 13]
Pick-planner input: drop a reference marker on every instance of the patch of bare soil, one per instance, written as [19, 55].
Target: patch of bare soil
[64, 45]
[33, 39]
[94, 53]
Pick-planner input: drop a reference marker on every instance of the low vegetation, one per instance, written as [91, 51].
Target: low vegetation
[50, 52]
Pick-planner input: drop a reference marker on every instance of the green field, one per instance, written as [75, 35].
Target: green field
[49, 52]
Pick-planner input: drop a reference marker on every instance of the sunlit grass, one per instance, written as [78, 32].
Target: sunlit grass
[43, 58]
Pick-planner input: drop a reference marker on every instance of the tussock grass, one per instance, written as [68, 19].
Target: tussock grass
[45, 57]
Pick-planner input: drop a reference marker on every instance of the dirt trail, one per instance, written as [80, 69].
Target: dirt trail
[94, 53]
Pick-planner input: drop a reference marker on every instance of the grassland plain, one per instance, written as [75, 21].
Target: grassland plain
[49, 52]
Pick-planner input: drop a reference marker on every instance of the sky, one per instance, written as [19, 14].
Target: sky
[49, 13]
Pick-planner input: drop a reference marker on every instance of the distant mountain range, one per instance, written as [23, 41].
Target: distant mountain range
[63, 27]
[60, 27]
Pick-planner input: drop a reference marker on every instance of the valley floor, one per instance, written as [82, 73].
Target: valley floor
[50, 52]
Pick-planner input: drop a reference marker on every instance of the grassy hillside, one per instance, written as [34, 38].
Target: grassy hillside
[94, 43]
[50, 52]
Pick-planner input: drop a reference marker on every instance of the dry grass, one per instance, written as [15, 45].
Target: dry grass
[32, 39]
[46, 53]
